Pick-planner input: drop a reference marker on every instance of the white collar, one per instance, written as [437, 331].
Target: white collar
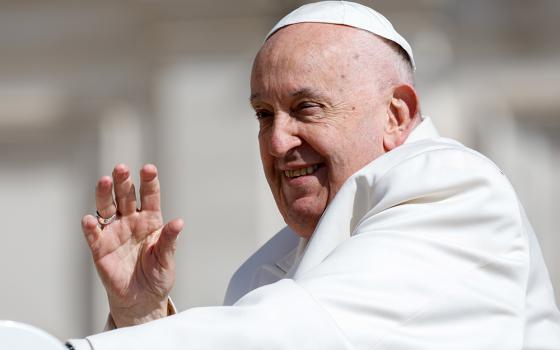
[425, 130]
[335, 228]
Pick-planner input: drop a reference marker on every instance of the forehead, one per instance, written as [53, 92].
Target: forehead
[311, 54]
[310, 41]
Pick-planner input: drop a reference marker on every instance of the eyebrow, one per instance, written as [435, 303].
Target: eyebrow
[303, 92]
[308, 92]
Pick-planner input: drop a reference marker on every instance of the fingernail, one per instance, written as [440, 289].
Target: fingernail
[122, 175]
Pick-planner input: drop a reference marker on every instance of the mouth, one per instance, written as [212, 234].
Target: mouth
[301, 171]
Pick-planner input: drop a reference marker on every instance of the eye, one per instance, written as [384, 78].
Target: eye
[263, 114]
[308, 105]
[307, 109]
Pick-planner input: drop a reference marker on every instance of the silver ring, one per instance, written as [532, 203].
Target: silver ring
[103, 221]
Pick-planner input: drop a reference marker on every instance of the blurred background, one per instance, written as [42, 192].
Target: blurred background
[87, 84]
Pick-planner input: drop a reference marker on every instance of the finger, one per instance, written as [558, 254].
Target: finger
[167, 242]
[125, 194]
[149, 188]
[91, 230]
[104, 197]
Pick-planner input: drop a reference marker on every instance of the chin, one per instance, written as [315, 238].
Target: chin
[303, 222]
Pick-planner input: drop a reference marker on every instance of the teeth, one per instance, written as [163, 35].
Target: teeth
[300, 172]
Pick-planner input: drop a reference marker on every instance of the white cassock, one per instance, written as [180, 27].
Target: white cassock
[427, 247]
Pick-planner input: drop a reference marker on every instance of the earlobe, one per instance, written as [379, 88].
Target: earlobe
[402, 114]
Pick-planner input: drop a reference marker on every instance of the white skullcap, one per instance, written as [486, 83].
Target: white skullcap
[348, 14]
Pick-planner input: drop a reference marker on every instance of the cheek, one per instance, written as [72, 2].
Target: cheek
[350, 150]
[263, 147]
[368, 140]
[266, 160]
[268, 168]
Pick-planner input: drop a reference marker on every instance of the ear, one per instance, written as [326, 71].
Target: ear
[403, 115]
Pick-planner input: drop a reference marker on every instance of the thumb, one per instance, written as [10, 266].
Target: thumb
[167, 242]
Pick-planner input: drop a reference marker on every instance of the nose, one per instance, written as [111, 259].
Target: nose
[283, 136]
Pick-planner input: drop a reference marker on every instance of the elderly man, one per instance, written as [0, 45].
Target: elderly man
[396, 239]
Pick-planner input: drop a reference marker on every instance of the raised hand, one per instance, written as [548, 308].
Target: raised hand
[134, 254]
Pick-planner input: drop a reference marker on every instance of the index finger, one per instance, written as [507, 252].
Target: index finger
[149, 188]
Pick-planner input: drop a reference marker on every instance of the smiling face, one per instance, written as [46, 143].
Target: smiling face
[322, 111]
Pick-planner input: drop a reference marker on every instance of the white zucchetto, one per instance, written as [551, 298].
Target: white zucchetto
[345, 13]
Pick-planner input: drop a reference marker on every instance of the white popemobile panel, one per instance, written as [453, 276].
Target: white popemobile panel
[20, 336]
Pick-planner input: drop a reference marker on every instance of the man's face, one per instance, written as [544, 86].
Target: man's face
[321, 115]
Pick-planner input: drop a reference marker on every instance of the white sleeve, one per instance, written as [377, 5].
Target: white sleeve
[278, 316]
[83, 344]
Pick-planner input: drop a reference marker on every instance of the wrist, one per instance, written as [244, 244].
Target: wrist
[135, 315]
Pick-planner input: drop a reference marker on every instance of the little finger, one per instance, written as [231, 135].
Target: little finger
[104, 197]
[91, 230]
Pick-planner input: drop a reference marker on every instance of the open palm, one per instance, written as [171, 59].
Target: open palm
[134, 254]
